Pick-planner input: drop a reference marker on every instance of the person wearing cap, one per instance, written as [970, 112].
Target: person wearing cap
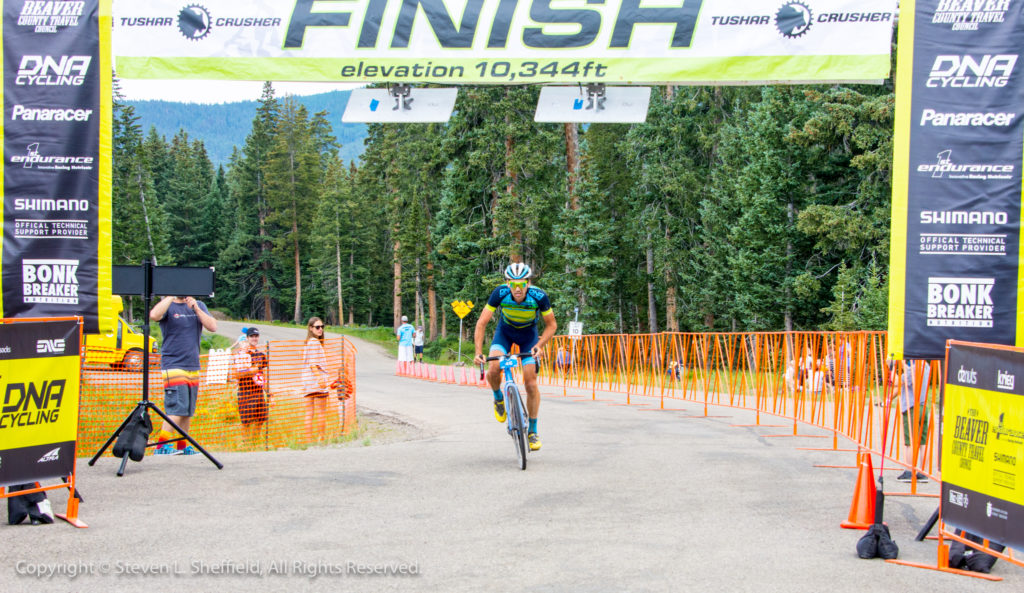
[249, 367]
[405, 348]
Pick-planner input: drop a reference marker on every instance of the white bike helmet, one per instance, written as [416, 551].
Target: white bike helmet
[517, 271]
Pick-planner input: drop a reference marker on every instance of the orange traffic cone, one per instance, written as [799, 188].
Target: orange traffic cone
[862, 509]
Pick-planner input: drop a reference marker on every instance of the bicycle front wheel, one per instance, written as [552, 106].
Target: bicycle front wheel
[514, 408]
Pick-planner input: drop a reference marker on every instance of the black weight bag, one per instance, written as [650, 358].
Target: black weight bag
[133, 439]
[965, 558]
[877, 543]
[34, 506]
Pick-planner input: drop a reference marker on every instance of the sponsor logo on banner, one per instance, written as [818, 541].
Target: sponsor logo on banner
[54, 346]
[968, 15]
[50, 281]
[967, 375]
[945, 167]
[1005, 379]
[50, 205]
[960, 302]
[195, 23]
[32, 403]
[50, 16]
[962, 118]
[26, 228]
[971, 71]
[1010, 434]
[958, 498]
[795, 19]
[993, 511]
[54, 114]
[33, 159]
[962, 244]
[52, 455]
[52, 70]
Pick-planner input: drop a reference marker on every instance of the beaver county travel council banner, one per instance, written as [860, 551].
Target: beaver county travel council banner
[956, 203]
[56, 99]
[983, 442]
[506, 41]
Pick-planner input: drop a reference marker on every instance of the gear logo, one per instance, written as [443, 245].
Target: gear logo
[194, 22]
[793, 19]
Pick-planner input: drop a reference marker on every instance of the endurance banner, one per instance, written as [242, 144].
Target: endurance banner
[983, 443]
[506, 41]
[53, 231]
[958, 150]
[39, 385]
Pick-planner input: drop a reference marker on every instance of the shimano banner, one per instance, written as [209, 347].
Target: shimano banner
[39, 385]
[506, 41]
[983, 442]
[52, 121]
[959, 145]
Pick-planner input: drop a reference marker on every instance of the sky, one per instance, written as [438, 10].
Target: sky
[219, 91]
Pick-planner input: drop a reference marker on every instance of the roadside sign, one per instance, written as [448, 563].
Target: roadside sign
[575, 330]
[462, 308]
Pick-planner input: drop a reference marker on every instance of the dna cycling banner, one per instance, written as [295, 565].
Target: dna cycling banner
[956, 204]
[54, 220]
[983, 443]
[39, 382]
[506, 41]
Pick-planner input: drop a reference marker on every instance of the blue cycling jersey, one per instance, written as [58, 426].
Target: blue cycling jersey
[519, 315]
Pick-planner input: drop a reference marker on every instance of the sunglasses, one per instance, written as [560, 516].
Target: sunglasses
[518, 285]
[318, 327]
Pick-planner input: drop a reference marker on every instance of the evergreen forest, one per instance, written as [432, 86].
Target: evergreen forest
[729, 209]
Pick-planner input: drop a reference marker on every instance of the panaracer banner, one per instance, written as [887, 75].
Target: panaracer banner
[39, 386]
[958, 152]
[56, 162]
[983, 442]
[506, 41]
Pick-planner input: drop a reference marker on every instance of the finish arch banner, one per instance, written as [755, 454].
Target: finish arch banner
[39, 388]
[506, 41]
[958, 153]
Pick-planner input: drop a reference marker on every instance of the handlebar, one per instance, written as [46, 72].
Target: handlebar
[490, 358]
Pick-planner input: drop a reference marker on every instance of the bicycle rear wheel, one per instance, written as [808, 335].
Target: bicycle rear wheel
[514, 408]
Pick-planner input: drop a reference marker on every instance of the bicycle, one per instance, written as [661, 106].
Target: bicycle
[515, 409]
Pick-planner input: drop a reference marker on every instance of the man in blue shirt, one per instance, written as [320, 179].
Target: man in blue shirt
[405, 348]
[520, 305]
[182, 320]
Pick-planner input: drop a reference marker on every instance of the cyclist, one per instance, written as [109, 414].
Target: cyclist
[520, 304]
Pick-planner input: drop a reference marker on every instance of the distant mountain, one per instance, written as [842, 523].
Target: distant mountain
[223, 126]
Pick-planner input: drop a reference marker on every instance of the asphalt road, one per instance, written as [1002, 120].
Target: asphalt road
[620, 498]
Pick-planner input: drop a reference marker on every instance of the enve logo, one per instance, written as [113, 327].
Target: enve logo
[54, 346]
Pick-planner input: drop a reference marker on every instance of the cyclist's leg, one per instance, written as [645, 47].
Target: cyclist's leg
[500, 345]
[527, 340]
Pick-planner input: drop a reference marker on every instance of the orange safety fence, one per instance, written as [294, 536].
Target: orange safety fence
[837, 381]
[291, 418]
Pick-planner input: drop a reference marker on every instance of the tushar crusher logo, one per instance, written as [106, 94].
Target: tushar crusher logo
[50, 281]
[50, 16]
[194, 22]
[960, 302]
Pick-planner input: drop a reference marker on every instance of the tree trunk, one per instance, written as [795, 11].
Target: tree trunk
[351, 264]
[652, 305]
[397, 307]
[671, 322]
[295, 245]
[337, 281]
[264, 257]
[791, 214]
[431, 300]
[419, 296]
[444, 323]
[572, 161]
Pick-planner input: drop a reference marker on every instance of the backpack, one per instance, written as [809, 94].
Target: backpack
[34, 506]
[877, 543]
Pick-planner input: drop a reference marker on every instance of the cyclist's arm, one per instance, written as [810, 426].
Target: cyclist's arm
[550, 327]
[481, 330]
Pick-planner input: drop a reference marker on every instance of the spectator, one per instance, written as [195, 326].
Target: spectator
[417, 342]
[250, 363]
[182, 320]
[915, 417]
[404, 334]
[315, 381]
